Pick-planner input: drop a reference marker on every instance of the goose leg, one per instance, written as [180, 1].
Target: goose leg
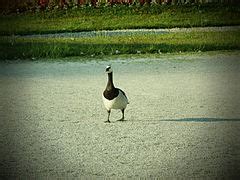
[122, 119]
[108, 121]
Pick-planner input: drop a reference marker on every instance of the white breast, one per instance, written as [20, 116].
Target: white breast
[120, 102]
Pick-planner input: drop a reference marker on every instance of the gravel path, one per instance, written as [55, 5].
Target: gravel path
[132, 32]
[183, 119]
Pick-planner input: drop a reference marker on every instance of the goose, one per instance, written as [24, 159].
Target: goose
[114, 98]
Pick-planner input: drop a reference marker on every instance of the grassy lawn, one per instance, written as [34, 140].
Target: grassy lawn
[119, 17]
[30, 48]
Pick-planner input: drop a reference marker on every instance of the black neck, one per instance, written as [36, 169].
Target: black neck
[110, 84]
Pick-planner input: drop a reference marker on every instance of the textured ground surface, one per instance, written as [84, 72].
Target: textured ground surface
[183, 119]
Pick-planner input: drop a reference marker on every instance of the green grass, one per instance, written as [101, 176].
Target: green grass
[119, 17]
[29, 48]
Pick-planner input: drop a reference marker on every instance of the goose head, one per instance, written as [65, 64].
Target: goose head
[108, 69]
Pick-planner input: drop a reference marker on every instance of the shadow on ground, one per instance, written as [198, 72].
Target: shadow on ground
[191, 120]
